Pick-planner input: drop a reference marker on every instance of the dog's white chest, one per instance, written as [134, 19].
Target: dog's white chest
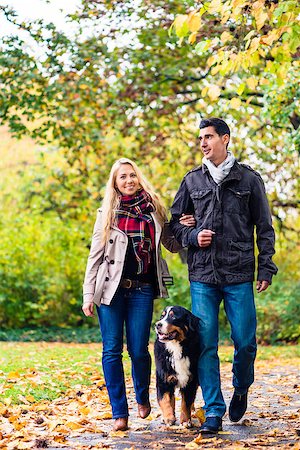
[181, 364]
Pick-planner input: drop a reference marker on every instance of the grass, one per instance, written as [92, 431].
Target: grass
[45, 371]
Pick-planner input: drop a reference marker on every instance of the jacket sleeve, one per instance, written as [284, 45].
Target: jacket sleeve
[265, 235]
[94, 260]
[186, 236]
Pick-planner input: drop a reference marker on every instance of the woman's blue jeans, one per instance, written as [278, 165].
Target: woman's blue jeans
[240, 310]
[134, 308]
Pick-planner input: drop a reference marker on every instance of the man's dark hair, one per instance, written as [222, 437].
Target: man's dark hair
[219, 125]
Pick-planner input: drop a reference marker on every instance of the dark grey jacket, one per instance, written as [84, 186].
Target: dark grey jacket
[232, 210]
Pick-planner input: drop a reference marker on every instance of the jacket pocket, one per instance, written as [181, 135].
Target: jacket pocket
[102, 278]
[238, 200]
[241, 256]
[201, 200]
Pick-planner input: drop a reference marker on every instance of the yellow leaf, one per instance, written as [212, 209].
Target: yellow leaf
[241, 88]
[204, 91]
[215, 6]
[191, 445]
[13, 376]
[104, 415]
[258, 5]
[268, 39]
[215, 70]
[192, 37]
[252, 83]
[119, 434]
[254, 44]
[30, 398]
[261, 19]
[194, 21]
[200, 414]
[211, 60]
[235, 103]
[226, 37]
[73, 425]
[7, 401]
[59, 438]
[181, 25]
[214, 92]
[238, 3]
[85, 411]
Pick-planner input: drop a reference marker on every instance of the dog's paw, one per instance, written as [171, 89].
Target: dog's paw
[187, 424]
[170, 421]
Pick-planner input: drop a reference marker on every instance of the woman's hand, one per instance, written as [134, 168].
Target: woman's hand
[88, 309]
[188, 220]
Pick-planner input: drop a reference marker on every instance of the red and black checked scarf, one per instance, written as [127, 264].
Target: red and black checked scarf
[134, 218]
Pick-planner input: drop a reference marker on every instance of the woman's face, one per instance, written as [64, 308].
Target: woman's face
[126, 180]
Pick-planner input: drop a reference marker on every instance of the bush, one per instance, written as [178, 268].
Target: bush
[41, 273]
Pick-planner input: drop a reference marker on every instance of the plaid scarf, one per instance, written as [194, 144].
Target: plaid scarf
[134, 218]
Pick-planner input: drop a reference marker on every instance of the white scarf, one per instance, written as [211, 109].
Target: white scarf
[221, 171]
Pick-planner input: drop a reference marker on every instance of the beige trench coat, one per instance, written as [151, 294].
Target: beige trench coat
[106, 262]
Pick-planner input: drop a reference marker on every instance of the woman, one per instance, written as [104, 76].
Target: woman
[125, 272]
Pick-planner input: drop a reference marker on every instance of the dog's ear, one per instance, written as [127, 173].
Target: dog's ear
[193, 322]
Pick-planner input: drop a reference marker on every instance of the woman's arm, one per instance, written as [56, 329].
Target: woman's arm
[168, 239]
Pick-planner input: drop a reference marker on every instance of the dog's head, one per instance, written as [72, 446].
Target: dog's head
[176, 323]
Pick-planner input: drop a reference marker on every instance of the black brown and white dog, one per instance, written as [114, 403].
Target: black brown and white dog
[176, 352]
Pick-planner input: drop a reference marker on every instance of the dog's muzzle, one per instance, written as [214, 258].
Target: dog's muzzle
[165, 336]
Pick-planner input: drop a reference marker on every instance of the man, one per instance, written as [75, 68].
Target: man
[228, 200]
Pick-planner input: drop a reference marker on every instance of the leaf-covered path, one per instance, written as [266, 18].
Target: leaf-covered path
[272, 419]
[81, 418]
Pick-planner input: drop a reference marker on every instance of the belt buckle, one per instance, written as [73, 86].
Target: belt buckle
[128, 283]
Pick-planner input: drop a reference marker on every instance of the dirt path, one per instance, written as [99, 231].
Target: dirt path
[272, 420]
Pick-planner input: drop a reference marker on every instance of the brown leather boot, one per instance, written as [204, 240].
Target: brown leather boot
[121, 424]
[144, 410]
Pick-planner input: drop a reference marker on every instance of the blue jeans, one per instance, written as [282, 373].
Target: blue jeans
[134, 308]
[240, 310]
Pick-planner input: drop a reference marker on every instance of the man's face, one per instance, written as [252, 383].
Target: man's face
[212, 145]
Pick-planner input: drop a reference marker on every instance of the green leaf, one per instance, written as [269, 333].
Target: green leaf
[202, 46]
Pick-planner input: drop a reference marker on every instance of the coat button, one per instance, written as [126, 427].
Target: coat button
[106, 279]
[111, 241]
[112, 261]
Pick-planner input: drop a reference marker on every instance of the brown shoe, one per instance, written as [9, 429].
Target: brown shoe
[144, 410]
[121, 424]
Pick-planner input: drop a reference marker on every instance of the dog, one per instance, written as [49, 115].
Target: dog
[176, 351]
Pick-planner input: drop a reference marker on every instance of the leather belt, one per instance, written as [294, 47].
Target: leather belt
[132, 284]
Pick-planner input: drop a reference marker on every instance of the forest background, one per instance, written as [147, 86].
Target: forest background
[133, 79]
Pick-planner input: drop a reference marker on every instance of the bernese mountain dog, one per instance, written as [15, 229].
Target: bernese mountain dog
[176, 352]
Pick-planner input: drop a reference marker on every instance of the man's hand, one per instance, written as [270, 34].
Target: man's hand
[262, 286]
[188, 220]
[88, 309]
[205, 238]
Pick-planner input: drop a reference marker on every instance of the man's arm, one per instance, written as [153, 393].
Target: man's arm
[265, 235]
[183, 205]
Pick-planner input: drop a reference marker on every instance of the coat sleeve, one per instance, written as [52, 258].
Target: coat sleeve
[186, 236]
[94, 260]
[168, 239]
[265, 235]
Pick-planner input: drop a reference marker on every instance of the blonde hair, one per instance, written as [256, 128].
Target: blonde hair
[112, 196]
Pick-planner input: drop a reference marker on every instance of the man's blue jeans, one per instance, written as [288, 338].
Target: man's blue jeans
[240, 310]
[134, 308]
